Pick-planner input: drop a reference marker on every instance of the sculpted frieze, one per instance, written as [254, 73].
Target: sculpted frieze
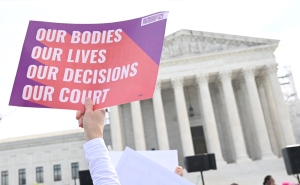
[190, 45]
[255, 54]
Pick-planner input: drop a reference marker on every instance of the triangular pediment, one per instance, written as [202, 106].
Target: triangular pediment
[188, 43]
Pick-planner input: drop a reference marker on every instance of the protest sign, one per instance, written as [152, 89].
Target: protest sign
[135, 169]
[166, 158]
[112, 63]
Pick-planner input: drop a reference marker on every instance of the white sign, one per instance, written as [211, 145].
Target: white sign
[166, 158]
[135, 169]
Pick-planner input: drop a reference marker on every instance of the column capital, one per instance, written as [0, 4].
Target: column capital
[225, 75]
[214, 88]
[237, 83]
[260, 80]
[271, 68]
[177, 82]
[248, 72]
[218, 85]
[202, 78]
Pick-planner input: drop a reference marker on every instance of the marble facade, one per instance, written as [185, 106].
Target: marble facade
[233, 89]
[229, 82]
[44, 151]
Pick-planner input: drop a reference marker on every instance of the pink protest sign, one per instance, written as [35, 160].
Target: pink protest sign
[112, 63]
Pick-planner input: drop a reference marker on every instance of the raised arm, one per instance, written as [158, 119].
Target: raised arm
[96, 153]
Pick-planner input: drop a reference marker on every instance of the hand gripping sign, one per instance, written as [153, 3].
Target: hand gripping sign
[112, 63]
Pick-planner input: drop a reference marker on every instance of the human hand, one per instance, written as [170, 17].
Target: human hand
[179, 171]
[91, 121]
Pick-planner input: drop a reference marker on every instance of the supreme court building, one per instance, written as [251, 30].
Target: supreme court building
[215, 93]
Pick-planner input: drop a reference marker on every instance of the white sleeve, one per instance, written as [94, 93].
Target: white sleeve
[100, 165]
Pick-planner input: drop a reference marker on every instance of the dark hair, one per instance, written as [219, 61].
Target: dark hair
[267, 178]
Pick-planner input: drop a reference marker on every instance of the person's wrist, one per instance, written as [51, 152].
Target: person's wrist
[89, 136]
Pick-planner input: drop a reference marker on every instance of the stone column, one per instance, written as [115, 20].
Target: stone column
[257, 114]
[182, 116]
[269, 123]
[282, 109]
[233, 117]
[160, 121]
[115, 128]
[138, 127]
[220, 107]
[210, 126]
[274, 115]
[244, 110]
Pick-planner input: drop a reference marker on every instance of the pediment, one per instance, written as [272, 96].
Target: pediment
[189, 43]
